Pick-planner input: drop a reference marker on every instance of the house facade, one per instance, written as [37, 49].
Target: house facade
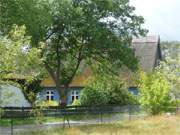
[148, 51]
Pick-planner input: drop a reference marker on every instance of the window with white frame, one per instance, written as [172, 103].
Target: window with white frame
[50, 95]
[74, 95]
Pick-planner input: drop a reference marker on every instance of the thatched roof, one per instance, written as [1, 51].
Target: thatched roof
[148, 50]
[11, 96]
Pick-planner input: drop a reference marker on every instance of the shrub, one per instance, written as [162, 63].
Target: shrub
[1, 112]
[92, 96]
[76, 102]
[47, 103]
[38, 114]
[105, 89]
[39, 107]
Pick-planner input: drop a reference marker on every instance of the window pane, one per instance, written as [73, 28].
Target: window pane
[52, 92]
[52, 97]
[77, 93]
[77, 97]
[47, 92]
[72, 92]
[47, 97]
[72, 98]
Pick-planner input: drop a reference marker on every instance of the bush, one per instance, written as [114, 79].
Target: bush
[39, 107]
[47, 103]
[105, 89]
[118, 93]
[76, 102]
[92, 96]
[155, 92]
[51, 103]
[1, 112]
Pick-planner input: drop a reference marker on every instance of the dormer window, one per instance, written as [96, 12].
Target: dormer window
[50, 95]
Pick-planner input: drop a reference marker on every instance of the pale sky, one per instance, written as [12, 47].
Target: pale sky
[162, 17]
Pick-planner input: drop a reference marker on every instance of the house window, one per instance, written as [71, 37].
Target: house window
[74, 95]
[134, 91]
[50, 95]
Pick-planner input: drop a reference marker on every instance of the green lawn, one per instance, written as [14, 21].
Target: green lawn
[157, 125]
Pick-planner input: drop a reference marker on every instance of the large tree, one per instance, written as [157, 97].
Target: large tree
[75, 32]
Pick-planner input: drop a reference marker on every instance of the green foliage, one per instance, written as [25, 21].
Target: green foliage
[155, 92]
[106, 89]
[76, 31]
[17, 58]
[76, 102]
[20, 63]
[1, 112]
[38, 114]
[39, 106]
[40, 103]
[170, 67]
[34, 14]
[93, 96]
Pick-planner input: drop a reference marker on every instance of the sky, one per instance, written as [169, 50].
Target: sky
[162, 17]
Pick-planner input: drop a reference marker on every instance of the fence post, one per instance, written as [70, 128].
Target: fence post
[11, 126]
[101, 115]
[0, 112]
[66, 117]
[23, 114]
[129, 108]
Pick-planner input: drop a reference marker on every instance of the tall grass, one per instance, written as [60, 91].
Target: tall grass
[156, 125]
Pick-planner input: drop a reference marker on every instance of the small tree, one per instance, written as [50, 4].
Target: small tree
[154, 92]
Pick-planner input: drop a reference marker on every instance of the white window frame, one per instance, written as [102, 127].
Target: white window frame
[74, 95]
[49, 95]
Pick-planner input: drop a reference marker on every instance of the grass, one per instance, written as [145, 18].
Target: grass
[157, 125]
[27, 121]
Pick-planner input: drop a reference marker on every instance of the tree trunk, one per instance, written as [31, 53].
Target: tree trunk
[62, 93]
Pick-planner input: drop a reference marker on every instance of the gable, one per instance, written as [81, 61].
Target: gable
[78, 80]
[148, 51]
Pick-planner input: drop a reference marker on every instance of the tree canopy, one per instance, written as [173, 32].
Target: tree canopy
[17, 59]
[76, 31]
[170, 67]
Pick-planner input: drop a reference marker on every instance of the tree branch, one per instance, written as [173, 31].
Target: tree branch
[79, 59]
[50, 71]
[58, 61]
